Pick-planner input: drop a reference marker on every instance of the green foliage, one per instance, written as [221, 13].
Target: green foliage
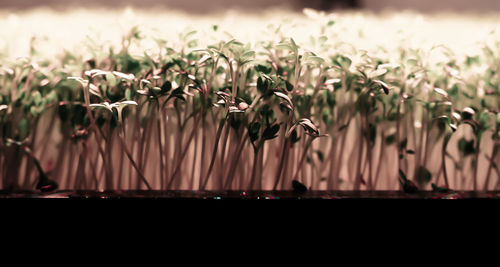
[423, 176]
[466, 147]
[273, 89]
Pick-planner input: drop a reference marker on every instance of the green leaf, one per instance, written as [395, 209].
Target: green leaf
[466, 147]
[111, 79]
[310, 128]
[316, 59]
[320, 155]
[284, 46]
[248, 54]
[263, 69]
[23, 127]
[37, 98]
[373, 132]
[468, 113]
[33, 111]
[294, 137]
[441, 92]
[384, 86]
[261, 85]
[377, 73]
[253, 131]
[343, 127]
[289, 86]
[484, 118]
[423, 175]
[167, 85]
[270, 132]
[128, 94]
[285, 97]
[325, 116]
[95, 90]
[294, 46]
[412, 62]
[330, 99]
[342, 61]
[298, 187]
[390, 139]
[392, 116]
[402, 145]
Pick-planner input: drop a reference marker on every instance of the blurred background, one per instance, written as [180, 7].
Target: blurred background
[203, 6]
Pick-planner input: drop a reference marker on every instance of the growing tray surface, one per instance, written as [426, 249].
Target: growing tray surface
[186, 194]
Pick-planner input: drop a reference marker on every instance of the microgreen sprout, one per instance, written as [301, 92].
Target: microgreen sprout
[212, 112]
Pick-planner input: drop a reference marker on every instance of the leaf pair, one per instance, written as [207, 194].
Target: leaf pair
[269, 133]
[308, 126]
[287, 103]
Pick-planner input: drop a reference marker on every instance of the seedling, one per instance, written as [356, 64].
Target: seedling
[211, 112]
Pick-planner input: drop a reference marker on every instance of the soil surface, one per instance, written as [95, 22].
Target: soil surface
[180, 194]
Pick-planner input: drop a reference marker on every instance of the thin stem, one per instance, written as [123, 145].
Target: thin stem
[357, 177]
[284, 154]
[254, 167]
[184, 152]
[203, 145]
[127, 152]
[303, 157]
[223, 153]
[475, 168]
[214, 153]
[93, 124]
[234, 162]
[443, 162]
[381, 157]
[490, 167]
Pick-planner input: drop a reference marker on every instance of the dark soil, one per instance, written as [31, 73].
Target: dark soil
[180, 194]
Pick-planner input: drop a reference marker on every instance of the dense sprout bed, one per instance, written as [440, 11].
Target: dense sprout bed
[314, 100]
